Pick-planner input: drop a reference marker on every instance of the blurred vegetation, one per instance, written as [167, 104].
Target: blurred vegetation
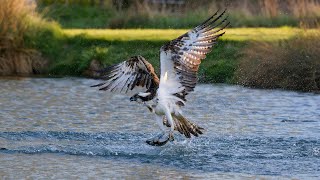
[258, 57]
[180, 13]
[22, 33]
[113, 46]
[75, 59]
[287, 64]
[78, 16]
[118, 45]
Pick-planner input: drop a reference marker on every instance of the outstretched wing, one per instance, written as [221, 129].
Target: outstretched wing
[125, 76]
[181, 57]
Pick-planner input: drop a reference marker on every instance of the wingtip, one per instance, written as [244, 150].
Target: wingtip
[213, 15]
[228, 24]
[225, 9]
[223, 12]
[207, 20]
[97, 85]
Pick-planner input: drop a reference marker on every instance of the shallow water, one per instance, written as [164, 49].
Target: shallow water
[62, 128]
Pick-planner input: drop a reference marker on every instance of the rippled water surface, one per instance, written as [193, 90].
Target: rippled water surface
[62, 128]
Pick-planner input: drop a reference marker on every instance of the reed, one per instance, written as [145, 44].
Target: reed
[15, 57]
[21, 33]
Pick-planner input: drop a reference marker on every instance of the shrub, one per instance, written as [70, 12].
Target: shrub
[13, 15]
[292, 64]
[19, 27]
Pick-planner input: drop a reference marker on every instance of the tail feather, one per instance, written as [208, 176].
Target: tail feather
[184, 126]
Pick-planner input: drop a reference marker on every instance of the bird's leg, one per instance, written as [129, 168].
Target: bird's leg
[162, 138]
[171, 122]
[159, 120]
[151, 109]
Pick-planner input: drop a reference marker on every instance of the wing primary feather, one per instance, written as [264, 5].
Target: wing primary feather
[188, 50]
[118, 81]
[209, 38]
[223, 20]
[107, 69]
[223, 27]
[207, 20]
[105, 88]
[100, 84]
[134, 82]
[125, 84]
[208, 24]
[127, 75]
[130, 84]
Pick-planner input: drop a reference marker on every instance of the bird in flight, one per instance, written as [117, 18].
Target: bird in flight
[179, 64]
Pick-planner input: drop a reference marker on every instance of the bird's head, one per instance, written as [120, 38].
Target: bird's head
[139, 97]
[136, 97]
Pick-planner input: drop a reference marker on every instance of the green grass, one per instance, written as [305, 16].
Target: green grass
[77, 16]
[235, 34]
[79, 47]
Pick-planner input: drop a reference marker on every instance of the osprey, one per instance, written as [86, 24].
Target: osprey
[179, 64]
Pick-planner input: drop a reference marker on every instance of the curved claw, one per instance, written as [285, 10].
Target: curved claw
[160, 140]
[171, 138]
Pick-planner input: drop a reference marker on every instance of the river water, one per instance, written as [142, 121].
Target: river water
[62, 128]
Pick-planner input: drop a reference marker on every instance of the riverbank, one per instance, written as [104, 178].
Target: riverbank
[72, 54]
[286, 58]
[83, 48]
[78, 52]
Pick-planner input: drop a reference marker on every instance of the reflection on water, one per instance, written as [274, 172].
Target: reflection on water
[63, 128]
